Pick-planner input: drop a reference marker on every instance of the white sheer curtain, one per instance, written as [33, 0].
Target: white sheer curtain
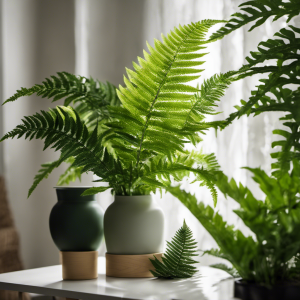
[100, 38]
[247, 142]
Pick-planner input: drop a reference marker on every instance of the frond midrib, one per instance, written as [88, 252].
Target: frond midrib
[181, 252]
[156, 96]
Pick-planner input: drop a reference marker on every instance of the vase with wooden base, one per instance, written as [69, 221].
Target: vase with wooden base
[76, 226]
[134, 232]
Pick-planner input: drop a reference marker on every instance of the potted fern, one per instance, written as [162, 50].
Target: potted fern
[267, 261]
[137, 146]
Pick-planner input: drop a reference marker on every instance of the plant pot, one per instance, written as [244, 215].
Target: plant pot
[76, 226]
[252, 291]
[76, 222]
[134, 225]
[133, 230]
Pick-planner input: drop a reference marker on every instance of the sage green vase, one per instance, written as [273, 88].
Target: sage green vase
[134, 225]
[76, 222]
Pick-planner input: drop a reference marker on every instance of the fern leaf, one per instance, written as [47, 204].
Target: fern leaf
[43, 173]
[70, 174]
[231, 271]
[155, 97]
[205, 100]
[177, 261]
[259, 11]
[62, 129]
[95, 190]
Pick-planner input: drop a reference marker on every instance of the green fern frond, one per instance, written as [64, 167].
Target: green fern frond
[95, 190]
[231, 271]
[62, 129]
[160, 170]
[275, 93]
[70, 174]
[177, 262]
[259, 11]
[43, 173]
[229, 240]
[211, 91]
[283, 50]
[74, 89]
[156, 101]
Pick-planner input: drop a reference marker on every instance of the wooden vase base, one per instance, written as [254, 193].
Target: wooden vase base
[130, 266]
[79, 265]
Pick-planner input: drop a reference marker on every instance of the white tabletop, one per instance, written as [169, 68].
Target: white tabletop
[209, 285]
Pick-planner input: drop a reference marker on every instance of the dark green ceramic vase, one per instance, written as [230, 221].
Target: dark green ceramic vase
[76, 222]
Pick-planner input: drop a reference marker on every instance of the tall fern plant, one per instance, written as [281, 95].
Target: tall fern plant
[137, 146]
[271, 254]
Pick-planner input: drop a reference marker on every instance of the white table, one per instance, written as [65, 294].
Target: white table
[48, 281]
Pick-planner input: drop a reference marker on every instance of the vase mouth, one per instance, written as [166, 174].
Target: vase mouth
[133, 198]
[71, 194]
[71, 187]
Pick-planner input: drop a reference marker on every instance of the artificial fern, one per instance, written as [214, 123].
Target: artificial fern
[177, 262]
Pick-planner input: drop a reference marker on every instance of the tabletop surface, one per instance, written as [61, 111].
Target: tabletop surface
[209, 284]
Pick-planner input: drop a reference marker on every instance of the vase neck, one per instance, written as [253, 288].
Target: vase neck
[73, 194]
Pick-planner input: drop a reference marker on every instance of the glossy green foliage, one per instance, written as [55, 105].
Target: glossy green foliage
[268, 255]
[178, 259]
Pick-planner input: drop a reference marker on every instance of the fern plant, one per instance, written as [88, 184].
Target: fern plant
[137, 146]
[177, 261]
[268, 255]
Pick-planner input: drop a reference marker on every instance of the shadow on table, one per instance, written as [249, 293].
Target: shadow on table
[161, 288]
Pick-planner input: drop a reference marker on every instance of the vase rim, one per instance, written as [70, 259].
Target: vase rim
[133, 198]
[72, 187]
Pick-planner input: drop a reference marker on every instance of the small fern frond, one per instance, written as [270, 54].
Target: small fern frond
[205, 100]
[95, 190]
[160, 170]
[43, 173]
[259, 11]
[228, 239]
[231, 271]
[74, 89]
[177, 262]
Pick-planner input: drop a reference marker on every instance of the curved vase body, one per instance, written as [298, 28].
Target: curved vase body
[134, 225]
[76, 223]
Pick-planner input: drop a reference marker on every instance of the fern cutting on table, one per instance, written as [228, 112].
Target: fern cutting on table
[177, 261]
[134, 137]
